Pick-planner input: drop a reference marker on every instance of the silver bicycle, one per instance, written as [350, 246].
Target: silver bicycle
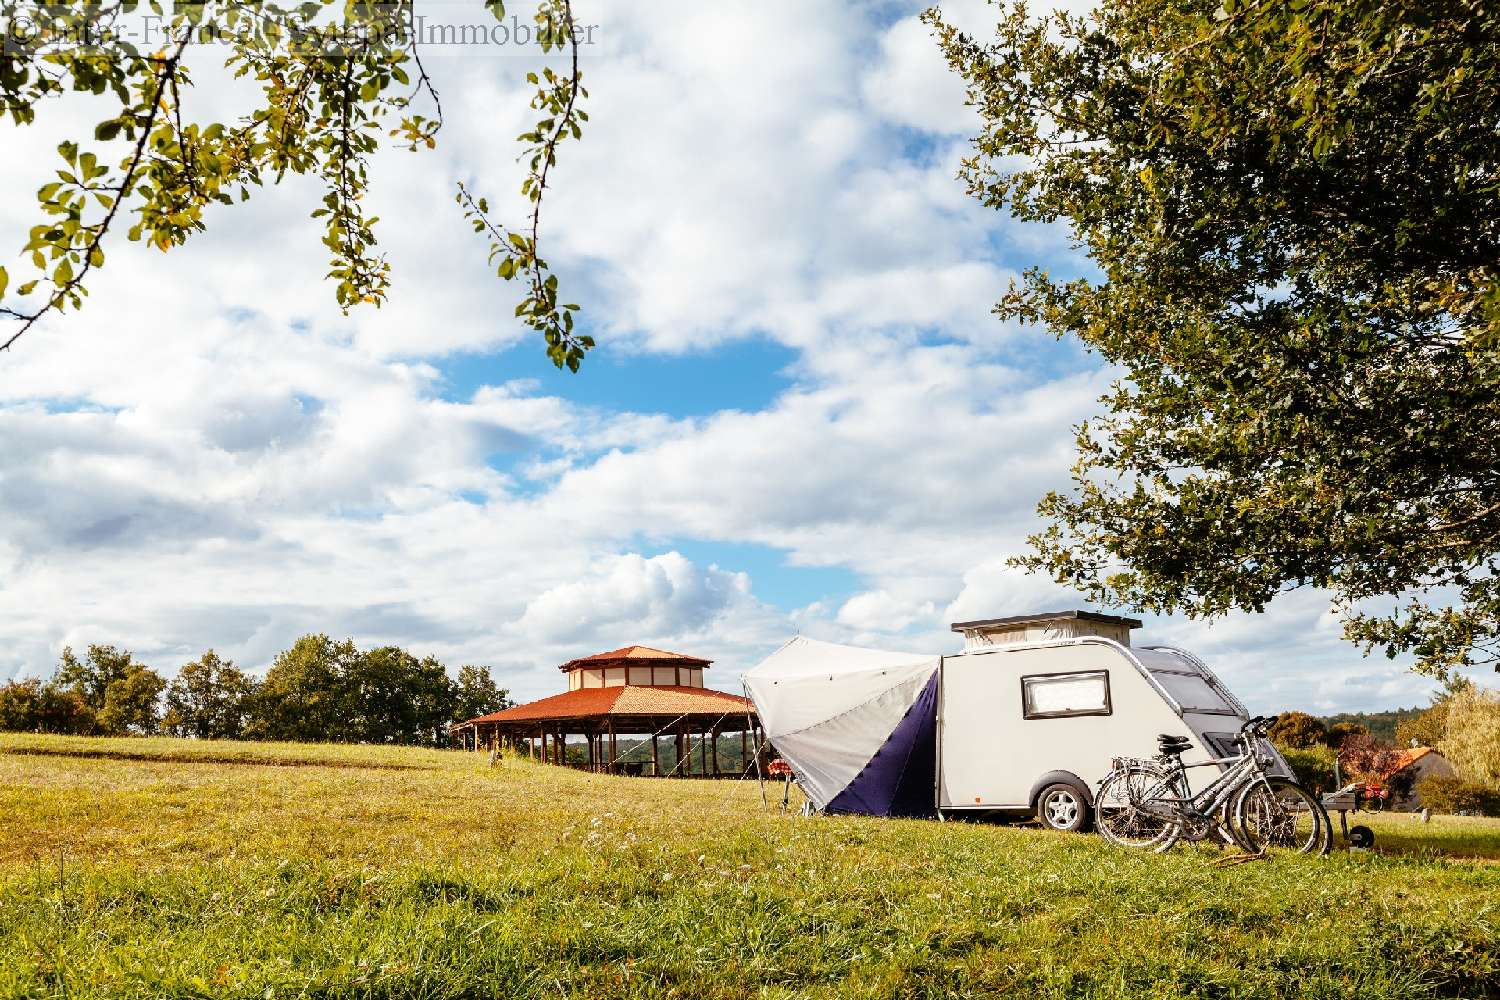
[1149, 803]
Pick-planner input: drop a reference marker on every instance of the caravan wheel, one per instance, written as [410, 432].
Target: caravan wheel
[1062, 807]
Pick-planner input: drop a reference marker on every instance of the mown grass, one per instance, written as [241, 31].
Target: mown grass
[161, 869]
[1472, 837]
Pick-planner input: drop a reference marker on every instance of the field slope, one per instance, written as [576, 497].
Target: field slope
[170, 869]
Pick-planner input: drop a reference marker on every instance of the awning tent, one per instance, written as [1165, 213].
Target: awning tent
[858, 726]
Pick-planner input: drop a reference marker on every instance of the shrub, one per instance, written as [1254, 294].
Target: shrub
[1312, 767]
[1447, 794]
[1368, 759]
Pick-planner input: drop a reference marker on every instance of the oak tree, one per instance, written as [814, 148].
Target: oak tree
[1293, 214]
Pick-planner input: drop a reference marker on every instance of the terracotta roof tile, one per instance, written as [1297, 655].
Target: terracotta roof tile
[1406, 758]
[622, 701]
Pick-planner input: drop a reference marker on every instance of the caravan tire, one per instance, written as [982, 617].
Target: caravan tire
[1062, 807]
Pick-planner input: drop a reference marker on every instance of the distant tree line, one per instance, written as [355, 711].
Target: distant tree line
[318, 690]
[1381, 725]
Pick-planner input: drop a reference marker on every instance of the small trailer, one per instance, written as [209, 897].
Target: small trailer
[1025, 719]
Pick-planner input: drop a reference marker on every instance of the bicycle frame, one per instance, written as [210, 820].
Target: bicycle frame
[1240, 770]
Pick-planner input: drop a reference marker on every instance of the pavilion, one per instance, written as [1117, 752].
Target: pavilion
[638, 692]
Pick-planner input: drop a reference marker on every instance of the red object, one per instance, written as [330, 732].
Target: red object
[779, 768]
[634, 700]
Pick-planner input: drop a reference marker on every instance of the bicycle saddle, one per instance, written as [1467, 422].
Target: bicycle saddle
[1173, 746]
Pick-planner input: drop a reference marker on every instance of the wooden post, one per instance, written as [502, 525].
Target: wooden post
[714, 735]
[612, 752]
[655, 756]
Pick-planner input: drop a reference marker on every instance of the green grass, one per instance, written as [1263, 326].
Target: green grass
[140, 868]
[1442, 837]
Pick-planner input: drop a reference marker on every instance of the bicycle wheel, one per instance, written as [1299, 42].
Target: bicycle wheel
[1280, 813]
[1118, 813]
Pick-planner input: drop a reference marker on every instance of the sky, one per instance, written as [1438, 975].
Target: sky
[802, 417]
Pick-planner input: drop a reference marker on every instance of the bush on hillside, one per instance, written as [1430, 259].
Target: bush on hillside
[1447, 794]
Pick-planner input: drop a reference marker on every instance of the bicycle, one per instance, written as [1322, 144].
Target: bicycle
[1149, 803]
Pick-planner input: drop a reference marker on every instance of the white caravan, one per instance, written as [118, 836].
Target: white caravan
[1026, 718]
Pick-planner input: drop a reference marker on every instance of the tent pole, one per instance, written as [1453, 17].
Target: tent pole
[760, 779]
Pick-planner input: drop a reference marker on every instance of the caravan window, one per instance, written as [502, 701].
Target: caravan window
[1056, 696]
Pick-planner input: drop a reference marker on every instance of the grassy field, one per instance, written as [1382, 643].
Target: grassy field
[145, 868]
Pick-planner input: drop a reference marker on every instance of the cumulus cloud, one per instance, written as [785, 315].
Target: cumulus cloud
[211, 454]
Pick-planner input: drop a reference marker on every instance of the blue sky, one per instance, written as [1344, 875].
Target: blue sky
[802, 415]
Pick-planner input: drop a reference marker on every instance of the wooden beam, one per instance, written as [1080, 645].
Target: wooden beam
[612, 752]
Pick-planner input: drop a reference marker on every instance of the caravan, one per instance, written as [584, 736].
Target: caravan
[1025, 719]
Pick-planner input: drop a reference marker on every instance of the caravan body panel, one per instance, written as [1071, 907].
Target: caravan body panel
[1010, 715]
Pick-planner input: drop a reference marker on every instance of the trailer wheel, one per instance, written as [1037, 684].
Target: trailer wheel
[1062, 807]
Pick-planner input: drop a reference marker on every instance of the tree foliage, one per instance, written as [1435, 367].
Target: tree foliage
[1368, 758]
[1341, 731]
[91, 677]
[477, 694]
[326, 690]
[1293, 210]
[334, 81]
[131, 704]
[319, 690]
[1298, 729]
[1471, 736]
[209, 699]
[33, 706]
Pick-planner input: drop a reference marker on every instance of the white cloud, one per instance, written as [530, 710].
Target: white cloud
[210, 454]
[660, 596]
[912, 85]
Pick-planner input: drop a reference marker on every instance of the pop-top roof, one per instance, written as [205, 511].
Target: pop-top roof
[634, 654]
[1045, 617]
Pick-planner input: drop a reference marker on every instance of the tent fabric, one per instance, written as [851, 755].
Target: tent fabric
[899, 779]
[831, 709]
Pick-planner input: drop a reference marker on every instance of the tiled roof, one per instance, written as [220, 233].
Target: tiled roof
[629, 653]
[1406, 758]
[623, 701]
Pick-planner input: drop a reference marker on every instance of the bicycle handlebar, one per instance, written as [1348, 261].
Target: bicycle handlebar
[1259, 725]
